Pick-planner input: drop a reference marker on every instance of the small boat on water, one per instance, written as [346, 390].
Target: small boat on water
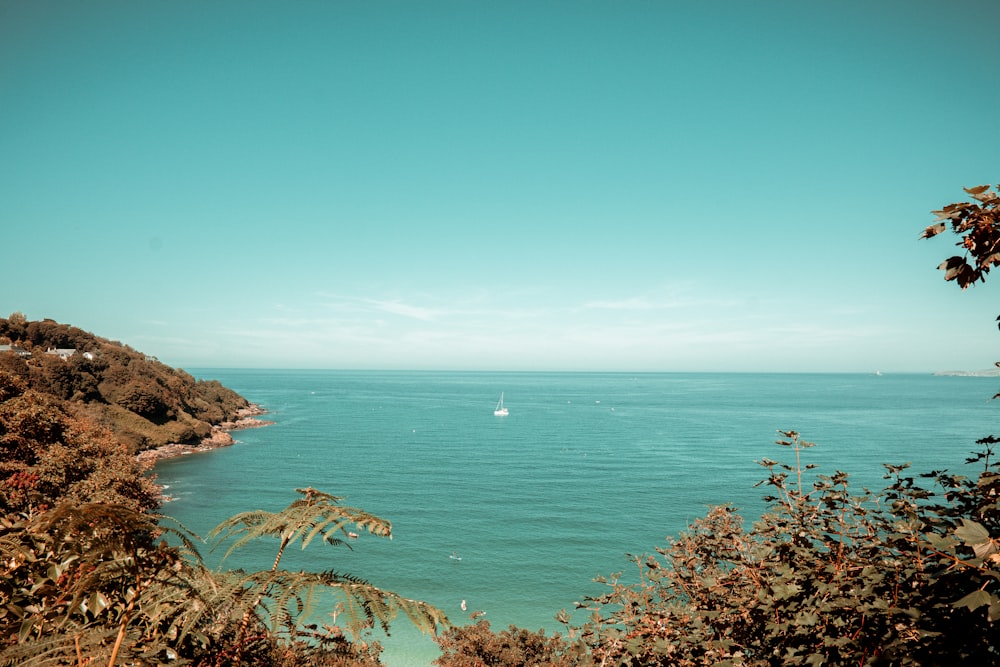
[500, 410]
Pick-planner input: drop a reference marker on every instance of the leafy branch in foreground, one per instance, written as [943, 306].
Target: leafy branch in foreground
[284, 597]
[90, 581]
[909, 577]
[979, 226]
[95, 584]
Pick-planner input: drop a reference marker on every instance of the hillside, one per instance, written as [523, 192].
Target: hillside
[144, 403]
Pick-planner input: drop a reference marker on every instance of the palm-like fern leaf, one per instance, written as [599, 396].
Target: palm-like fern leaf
[283, 598]
[292, 596]
[316, 514]
[95, 582]
[61, 648]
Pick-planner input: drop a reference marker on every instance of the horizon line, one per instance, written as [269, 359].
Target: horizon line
[958, 372]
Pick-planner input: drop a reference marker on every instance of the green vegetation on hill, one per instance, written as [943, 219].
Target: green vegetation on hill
[145, 403]
[49, 455]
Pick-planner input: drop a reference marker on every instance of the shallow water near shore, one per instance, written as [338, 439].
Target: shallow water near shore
[586, 468]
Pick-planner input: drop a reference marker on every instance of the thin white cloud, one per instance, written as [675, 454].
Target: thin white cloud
[669, 297]
[405, 309]
[364, 304]
[630, 303]
[661, 329]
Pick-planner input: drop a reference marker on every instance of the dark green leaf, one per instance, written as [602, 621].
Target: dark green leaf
[972, 533]
[975, 600]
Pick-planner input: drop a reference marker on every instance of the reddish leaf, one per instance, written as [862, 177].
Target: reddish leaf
[951, 267]
[989, 260]
[966, 276]
[933, 230]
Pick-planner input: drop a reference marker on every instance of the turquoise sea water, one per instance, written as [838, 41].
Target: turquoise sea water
[585, 469]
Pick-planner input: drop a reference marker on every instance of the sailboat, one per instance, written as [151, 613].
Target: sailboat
[500, 411]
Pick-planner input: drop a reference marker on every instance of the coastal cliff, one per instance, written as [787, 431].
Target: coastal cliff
[221, 436]
[154, 409]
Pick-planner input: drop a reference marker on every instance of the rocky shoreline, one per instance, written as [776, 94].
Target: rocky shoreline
[219, 437]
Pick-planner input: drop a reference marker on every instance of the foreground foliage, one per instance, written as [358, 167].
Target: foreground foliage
[284, 597]
[89, 581]
[476, 644]
[96, 584]
[824, 577]
[978, 225]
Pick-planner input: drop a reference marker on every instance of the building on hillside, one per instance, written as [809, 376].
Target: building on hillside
[62, 352]
[16, 349]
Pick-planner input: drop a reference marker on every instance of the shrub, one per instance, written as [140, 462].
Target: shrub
[474, 645]
[824, 577]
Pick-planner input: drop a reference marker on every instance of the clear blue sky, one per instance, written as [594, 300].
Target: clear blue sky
[500, 185]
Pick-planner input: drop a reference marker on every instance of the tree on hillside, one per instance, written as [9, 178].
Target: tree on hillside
[144, 402]
[48, 456]
[14, 326]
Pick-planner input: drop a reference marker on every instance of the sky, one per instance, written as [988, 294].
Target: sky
[566, 186]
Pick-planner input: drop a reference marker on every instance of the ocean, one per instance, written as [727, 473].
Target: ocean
[586, 468]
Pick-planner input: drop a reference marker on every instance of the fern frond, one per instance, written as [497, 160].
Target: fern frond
[188, 548]
[427, 618]
[222, 600]
[366, 605]
[246, 526]
[315, 514]
[281, 599]
[57, 648]
[311, 493]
